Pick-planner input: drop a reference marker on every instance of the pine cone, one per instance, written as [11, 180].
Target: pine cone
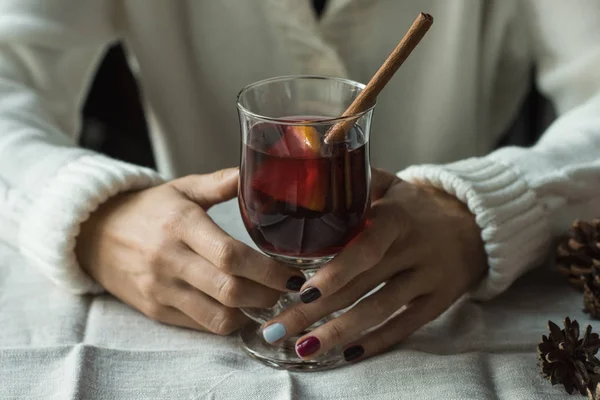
[594, 394]
[579, 253]
[566, 359]
[591, 299]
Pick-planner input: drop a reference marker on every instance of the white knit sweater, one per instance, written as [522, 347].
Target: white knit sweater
[451, 101]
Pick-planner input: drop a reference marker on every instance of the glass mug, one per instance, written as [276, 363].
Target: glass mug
[301, 199]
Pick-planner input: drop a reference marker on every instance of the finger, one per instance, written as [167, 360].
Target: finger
[364, 252]
[417, 314]
[206, 311]
[176, 318]
[233, 257]
[229, 290]
[381, 182]
[161, 313]
[368, 314]
[298, 318]
[209, 189]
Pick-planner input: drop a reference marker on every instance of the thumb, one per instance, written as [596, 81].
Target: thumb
[381, 181]
[209, 189]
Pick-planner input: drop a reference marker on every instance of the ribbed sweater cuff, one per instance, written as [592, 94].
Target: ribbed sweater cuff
[513, 225]
[51, 223]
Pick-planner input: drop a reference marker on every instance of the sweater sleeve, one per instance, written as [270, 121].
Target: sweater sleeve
[48, 186]
[522, 197]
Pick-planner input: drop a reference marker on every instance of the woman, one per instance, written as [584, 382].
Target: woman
[455, 219]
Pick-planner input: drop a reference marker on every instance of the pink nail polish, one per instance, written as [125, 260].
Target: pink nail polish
[308, 346]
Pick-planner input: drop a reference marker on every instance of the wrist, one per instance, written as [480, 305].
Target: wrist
[464, 223]
[89, 241]
[48, 231]
[506, 210]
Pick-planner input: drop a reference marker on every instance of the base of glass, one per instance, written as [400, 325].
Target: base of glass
[283, 355]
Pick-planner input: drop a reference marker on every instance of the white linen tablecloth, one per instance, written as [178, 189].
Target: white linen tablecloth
[58, 346]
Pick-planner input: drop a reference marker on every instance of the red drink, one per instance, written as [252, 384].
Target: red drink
[300, 197]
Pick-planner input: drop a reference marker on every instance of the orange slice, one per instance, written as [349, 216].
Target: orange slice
[298, 175]
[298, 141]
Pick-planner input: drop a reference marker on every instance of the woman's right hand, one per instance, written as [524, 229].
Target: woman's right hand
[158, 251]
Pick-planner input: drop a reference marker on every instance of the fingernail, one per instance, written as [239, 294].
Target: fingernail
[295, 283]
[352, 353]
[310, 294]
[274, 332]
[308, 346]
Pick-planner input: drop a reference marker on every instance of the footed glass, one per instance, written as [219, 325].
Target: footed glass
[301, 199]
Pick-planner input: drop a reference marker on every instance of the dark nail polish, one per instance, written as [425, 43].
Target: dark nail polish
[354, 352]
[308, 346]
[295, 283]
[310, 294]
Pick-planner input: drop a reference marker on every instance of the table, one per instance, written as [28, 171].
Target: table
[57, 346]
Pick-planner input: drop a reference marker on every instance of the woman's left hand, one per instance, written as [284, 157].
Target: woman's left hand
[422, 243]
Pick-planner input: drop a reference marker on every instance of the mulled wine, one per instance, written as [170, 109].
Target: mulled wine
[299, 196]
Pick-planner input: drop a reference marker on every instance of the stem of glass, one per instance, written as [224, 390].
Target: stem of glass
[262, 315]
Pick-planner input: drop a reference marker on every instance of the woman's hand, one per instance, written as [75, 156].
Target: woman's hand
[159, 252]
[423, 243]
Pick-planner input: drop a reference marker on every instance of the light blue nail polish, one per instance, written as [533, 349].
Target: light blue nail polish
[273, 333]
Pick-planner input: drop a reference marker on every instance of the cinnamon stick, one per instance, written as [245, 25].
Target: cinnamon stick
[368, 95]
